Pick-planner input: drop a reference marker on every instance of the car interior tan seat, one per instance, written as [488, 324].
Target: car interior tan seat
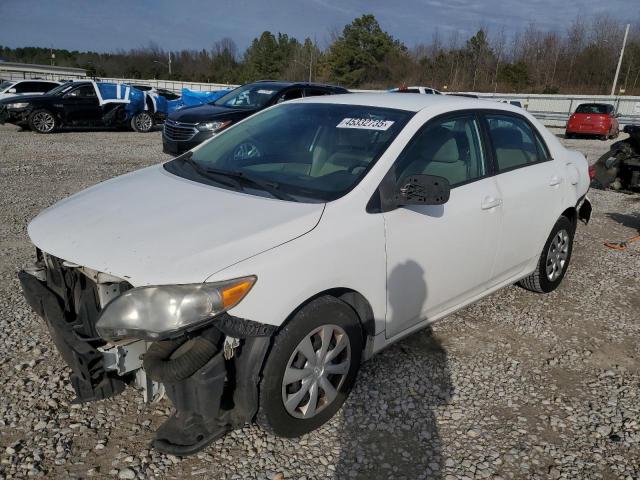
[438, 153]
[510, 151]
[350, 152]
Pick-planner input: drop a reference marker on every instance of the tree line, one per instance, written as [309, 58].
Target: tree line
[581, 59]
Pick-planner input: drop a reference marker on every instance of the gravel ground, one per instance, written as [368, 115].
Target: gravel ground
[518, 385]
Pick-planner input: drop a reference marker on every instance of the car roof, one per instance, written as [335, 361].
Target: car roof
[412, 102]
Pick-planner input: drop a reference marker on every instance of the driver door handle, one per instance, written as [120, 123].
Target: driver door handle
[490, 202]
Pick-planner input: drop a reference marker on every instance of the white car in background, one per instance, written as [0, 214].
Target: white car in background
[26, 87]
[251, 276]
[423, 90]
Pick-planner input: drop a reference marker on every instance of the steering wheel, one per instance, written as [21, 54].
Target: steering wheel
[357, 165]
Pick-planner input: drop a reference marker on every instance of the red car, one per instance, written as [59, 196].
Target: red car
[593, 119]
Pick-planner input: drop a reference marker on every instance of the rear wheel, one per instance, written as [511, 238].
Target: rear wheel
[42, 121]
[142, 122]
[311, 368]
[568, 135]
[615, 134]
[554, 260]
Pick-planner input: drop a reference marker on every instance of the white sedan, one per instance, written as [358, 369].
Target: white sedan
[255, 273]
[26, 87]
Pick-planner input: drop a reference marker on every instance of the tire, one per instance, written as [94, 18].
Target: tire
[615, 134]
[42, 121]
[568, 135]
[142, 122]
[557, 251]
[306, 328]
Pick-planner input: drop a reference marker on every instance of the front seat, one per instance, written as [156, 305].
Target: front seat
[438, 154]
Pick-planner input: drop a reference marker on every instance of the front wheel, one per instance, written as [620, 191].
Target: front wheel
[311, 368]
[42, 121]
[554, 260]
[142, 122]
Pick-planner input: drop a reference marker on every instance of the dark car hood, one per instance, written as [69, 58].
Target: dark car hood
[25, 98]
[202, 113]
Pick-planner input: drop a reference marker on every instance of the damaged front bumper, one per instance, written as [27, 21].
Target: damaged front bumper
[209, 401]
[584, 209]
[17, 116]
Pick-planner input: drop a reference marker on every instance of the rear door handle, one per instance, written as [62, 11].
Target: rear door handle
[490, 202]
[555, 180]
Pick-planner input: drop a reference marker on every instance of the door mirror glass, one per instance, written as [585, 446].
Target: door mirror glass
[11, 90]
[422, 189]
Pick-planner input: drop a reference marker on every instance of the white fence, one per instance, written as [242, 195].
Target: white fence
[556, 109]
[175, 86]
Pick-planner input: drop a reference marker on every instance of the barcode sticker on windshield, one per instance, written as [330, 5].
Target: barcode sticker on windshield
[365, 124]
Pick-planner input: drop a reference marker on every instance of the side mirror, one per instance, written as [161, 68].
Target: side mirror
[422, 190]
[11, 90]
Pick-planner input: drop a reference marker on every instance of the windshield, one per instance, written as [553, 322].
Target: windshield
[313, 152]
[60, 88]
[251, 96]
[594, 108]
[5, 85]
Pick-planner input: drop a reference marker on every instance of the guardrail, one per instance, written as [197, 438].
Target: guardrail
[173, 85]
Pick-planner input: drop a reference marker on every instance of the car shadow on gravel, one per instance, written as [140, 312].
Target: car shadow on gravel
[389, 427]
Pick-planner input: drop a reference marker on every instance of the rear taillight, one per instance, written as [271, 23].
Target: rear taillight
[592, 172]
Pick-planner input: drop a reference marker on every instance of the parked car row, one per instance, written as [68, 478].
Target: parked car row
[197, 116]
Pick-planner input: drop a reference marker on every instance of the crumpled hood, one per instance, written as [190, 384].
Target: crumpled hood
[151, 227]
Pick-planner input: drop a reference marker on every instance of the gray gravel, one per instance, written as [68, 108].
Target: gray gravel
[518, 385]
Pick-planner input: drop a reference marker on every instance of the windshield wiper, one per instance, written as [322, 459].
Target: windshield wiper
[235, 179]
[269, 187]
[187, 158]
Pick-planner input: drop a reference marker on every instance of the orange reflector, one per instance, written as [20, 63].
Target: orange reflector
[233, 294]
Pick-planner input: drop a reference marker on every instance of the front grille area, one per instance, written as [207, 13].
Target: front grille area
[179, 131]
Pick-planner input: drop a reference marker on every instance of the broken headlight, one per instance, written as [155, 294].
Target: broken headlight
[157, 312]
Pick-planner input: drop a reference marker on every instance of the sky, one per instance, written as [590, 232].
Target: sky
[110, 25]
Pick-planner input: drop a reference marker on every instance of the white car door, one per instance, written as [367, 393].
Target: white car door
[530, 188]
[438, 256]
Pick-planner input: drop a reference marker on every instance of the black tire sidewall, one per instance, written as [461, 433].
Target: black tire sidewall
[547, 285]
[321, 311]
[32, 114]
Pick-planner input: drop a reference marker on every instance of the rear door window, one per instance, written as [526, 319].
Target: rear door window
[290, 95]
[26, 87]
[514, 142]
[316, 92]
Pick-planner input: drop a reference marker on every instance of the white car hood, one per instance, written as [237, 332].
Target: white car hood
[151, 227]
